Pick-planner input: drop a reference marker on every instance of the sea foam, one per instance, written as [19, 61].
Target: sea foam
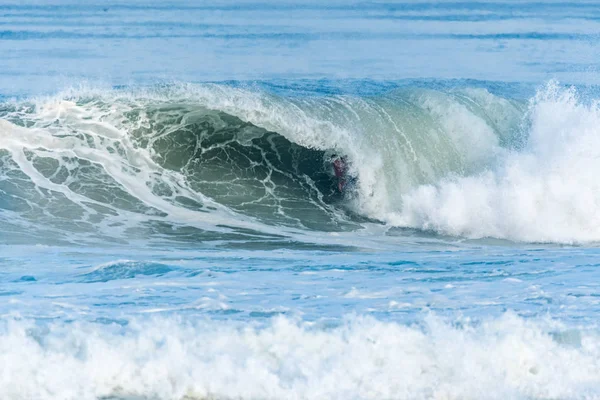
[361, 358]
[547, 192]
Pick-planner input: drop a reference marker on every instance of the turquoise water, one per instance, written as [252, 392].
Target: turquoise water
[172, 226]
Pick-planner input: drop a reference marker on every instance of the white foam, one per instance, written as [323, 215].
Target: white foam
[363, 358]
[549, 192]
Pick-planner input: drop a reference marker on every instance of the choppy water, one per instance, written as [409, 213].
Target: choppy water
[172, 226]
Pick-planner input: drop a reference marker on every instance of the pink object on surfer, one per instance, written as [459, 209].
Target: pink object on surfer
[340, 168]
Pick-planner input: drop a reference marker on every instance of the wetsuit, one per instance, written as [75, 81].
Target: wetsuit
[340, 168]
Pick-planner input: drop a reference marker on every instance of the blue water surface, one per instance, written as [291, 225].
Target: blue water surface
[127, 316]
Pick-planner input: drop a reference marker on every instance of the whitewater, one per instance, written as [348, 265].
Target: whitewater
[172, 223]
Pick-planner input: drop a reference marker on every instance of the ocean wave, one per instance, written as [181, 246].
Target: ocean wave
[245, 160]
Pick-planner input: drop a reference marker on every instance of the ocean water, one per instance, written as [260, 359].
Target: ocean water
[172, 226]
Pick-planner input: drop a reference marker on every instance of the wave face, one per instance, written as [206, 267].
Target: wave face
[223, 162]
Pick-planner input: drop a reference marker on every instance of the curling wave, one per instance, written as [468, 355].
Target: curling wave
[237, 161]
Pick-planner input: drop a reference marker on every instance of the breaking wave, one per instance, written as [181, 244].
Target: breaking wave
[359, 358]
[219, 162]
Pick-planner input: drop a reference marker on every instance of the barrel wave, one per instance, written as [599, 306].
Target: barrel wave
[214, 161]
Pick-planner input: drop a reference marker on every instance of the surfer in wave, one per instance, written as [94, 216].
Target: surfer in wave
[340, 168]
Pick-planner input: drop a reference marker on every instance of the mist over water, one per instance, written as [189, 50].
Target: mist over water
[299, 200]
